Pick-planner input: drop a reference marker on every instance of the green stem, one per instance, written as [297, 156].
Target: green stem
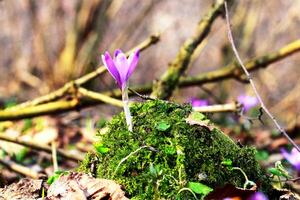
[246, 178]
[126, 108]
[189, 190]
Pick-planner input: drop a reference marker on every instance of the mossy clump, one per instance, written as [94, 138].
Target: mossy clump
[165, 152]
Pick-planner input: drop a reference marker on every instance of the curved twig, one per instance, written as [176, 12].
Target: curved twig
[262, 104]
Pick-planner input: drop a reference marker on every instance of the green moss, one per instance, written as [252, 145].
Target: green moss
[166, 153]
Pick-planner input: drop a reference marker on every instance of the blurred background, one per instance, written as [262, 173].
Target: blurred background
[44, 44]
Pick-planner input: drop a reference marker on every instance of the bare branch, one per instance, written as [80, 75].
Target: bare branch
[20, 169]
[230, 71]
[229, 107]
[164, 88]
[153, 39]
[100, 97]
[40, 147]
[230, 37]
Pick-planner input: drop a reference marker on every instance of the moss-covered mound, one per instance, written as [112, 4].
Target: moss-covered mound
[164, 153]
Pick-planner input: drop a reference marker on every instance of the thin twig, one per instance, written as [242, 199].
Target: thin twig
[224, 73]
[43, 109]
[227, 72]
[153, 39]
[230, 37]
[75, 157]
[54, 156]
[20, 169]
[59, 106]
[294, 179]
[233, 70]
[165, 86]
[229, 107]
[100, 97]
[132, 153]
[142, 96]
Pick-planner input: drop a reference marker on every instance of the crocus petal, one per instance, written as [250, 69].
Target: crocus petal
[109, 64]
[198, 102]
[247, 101]
[117, 51]
[289, 157]
[293, 157]
[122, 67]
[132, 62]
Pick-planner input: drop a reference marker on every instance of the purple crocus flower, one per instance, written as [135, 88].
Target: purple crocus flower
[120, 67]
[293, 157]
[247, 101]
[198, 102]
[258, 196]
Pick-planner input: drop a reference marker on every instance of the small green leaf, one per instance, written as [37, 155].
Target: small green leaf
[274, 171]
[51, 179]
[199, 188]
[197, 116]
[55, 176]
[227, 162]
[163, 126]
[281, 168]
[100, 148]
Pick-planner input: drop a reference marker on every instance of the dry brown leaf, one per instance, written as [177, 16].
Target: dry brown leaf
[82, 186]
[28, 189]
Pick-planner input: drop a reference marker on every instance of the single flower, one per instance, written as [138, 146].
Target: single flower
[121, 67]
[247, 101]
[293, 157]
[198, 102]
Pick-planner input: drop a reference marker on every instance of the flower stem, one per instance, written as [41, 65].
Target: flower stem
[126, 108]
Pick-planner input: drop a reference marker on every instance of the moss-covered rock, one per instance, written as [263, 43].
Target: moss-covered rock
[165, 152]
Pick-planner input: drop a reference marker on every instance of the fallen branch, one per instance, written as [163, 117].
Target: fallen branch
[67, 155]
[164, 88]
[262, 104]
[100, 97]
[20, 169]
[230, 71]
[234, 71]
[229, 107]
[43, 109]
[153, 39]
[60, 106]
[54, 156]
